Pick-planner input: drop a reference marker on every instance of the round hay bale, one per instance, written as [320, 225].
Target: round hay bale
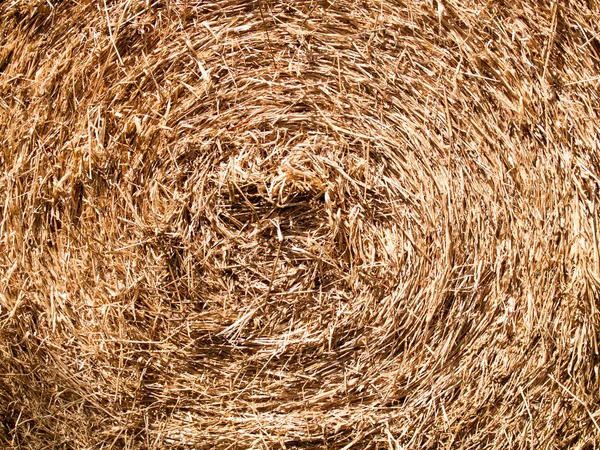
[299, 224]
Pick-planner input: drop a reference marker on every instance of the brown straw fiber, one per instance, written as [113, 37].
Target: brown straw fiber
[300, 224]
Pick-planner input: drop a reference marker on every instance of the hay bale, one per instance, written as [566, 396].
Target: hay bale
[286, 224]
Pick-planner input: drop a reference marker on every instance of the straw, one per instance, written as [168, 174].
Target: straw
[299, 224]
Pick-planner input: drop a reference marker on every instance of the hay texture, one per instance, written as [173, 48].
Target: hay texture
[299, 224]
